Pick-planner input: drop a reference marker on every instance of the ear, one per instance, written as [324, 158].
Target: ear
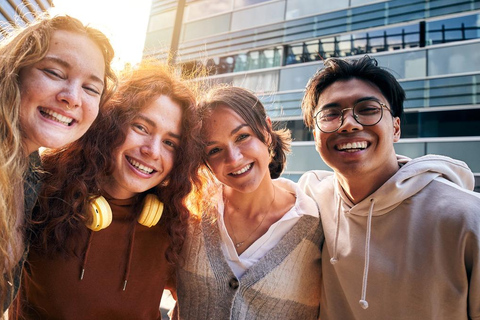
[269, 122]
[396, 129]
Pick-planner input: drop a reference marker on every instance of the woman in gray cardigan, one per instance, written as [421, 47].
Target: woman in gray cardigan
[255, 254]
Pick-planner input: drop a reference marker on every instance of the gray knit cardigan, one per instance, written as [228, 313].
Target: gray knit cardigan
[284, 284]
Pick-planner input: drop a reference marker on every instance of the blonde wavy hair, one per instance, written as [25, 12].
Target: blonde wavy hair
[25, 47]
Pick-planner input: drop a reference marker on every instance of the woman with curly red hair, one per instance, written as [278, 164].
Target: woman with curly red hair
[129, 175]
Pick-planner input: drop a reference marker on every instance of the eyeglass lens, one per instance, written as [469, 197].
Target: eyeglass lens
[366, 113]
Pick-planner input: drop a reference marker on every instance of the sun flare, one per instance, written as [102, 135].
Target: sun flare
[124, 22]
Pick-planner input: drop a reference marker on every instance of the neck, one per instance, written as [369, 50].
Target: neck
[358, 189]
[29, 148]
[249, 204]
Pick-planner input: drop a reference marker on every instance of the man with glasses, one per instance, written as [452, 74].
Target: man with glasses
[402, 236]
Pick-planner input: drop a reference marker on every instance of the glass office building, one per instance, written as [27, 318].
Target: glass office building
[19, 12]
[273, 47]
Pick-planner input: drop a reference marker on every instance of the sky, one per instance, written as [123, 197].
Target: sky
[124, 22]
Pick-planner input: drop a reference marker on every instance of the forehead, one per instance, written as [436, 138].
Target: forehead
[348, 92]
[222, 120]
[79, 51]
[163, 113]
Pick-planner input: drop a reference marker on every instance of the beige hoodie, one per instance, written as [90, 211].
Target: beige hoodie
[411, 250]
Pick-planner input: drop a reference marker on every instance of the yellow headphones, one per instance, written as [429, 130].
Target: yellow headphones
[101, 216]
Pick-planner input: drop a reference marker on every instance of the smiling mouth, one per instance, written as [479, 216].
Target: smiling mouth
[243, 170]
[140, 167]
[352, 146]
[52, 115]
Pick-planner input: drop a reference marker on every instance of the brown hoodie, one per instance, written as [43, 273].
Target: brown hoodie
[52, 288]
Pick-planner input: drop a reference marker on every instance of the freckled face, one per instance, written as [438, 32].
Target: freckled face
[60, 94]
[237, 157]
[355, 149]
[147, 156]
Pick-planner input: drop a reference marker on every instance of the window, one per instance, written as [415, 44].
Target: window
[259, 82]
[300, 8]
[207, 27]
[206, 8]
[162, 20]
[457, 29]
[245, 3]
[259, 15]
[454, 59]
[449, 123]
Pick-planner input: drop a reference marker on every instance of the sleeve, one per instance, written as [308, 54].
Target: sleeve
[472, 264]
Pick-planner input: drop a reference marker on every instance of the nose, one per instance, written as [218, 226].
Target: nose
[349, 123]
[233, 155]
[153, 149]
[71, 95]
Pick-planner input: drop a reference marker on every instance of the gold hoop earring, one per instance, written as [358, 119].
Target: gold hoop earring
[68, 106]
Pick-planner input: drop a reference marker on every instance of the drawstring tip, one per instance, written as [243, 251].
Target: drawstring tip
[364, 304]
[81, 275]
[333, 260]
[125, 285]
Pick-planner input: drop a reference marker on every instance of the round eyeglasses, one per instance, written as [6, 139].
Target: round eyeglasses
[365, 112]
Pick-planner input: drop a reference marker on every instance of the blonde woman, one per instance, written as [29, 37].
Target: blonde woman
[54, 76]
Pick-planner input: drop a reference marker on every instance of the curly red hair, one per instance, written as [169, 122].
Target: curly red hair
[75, 173]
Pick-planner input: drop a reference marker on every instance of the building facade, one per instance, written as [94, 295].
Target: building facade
[274, 46]
[15, 13]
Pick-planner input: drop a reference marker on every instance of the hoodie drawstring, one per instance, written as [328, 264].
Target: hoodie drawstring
[85, 256]
[130, 255]
[334, 259]
[363, 302]
[129, 259]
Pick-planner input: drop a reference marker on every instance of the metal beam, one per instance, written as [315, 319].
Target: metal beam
[176, 32]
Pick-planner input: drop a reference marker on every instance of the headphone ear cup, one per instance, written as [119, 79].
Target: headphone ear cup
[151, 212]
[101, 214]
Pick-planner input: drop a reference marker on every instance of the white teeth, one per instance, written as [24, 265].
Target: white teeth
[52, 115]
[244, 169]
[140, 166]
[352, 146]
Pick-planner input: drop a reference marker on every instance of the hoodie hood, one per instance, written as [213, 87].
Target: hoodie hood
[413, 176]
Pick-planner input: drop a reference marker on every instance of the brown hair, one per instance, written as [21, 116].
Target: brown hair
[22, 48]
[76, 173]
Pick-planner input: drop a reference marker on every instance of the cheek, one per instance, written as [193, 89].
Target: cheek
[318, 141]
[168, 162]
[90, 111]
[214, 166]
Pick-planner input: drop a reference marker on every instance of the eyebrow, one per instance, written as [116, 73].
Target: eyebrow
[67, 65]
[153, 124]
[235, 130]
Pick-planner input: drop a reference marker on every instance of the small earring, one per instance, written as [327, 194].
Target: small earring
[68, 105]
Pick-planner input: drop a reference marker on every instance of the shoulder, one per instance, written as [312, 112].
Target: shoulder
[316, 181]
[303, 203]
[454, 194]
[315, 177]
[458, 208]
